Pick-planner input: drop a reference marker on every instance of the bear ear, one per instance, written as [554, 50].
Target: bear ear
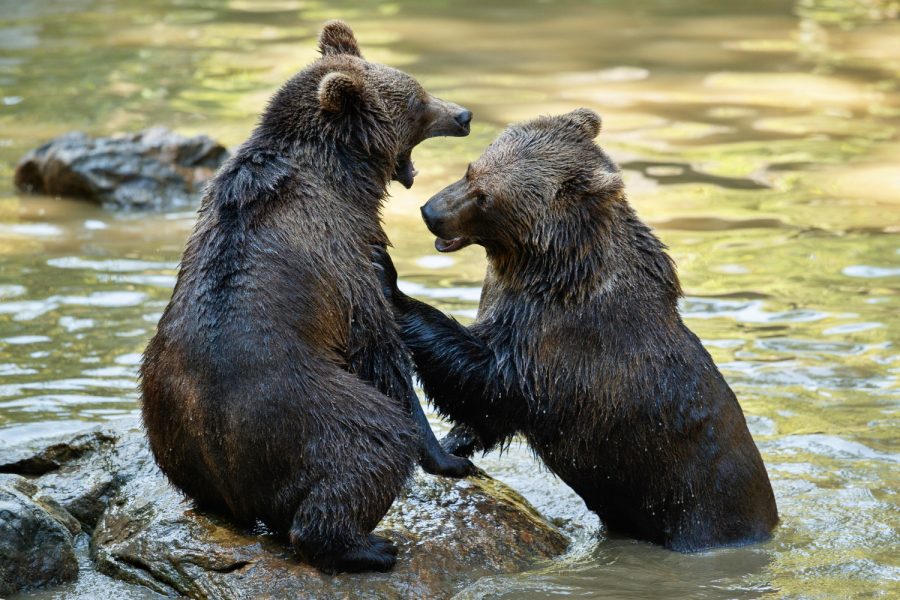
[586, 120]
[337, 38]
[338, 90]
[606, 183]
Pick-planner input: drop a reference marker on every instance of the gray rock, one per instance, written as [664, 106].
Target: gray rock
[35, 538]
[155, 168]
[81, 473]
[41, 456]
[450, 532]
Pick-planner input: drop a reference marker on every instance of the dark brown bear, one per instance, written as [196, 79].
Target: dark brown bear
[277, 387]
[579, 346]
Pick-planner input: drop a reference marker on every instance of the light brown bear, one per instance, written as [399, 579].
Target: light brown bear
[579, 346]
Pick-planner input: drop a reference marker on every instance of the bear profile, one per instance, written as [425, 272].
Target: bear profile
[579, 347]
[277, 388]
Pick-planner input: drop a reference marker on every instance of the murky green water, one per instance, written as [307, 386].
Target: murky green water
[759, 138]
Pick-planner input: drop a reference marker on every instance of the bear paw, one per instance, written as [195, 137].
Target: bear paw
[448, 465]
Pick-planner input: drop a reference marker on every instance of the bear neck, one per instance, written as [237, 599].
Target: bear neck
[609, 252]
[358, 177]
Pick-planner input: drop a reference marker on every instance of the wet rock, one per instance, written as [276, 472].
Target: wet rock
[82, 473]
[41, 456]
[449, 532]
[86, 486]
[35, 538]
[155, 168]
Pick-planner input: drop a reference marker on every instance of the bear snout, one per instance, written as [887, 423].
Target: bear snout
[430, 216]
[464, 118]
[448, 119]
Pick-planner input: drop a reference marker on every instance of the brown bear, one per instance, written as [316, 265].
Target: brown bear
[579, 347]
[277, 388]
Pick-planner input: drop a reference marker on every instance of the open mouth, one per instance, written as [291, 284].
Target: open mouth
[442, 245]
[405, 170]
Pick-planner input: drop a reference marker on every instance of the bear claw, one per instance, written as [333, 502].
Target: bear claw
[383, 544]
[378, 555]
[450, 466]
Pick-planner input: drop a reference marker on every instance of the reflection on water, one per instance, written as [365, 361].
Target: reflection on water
[759, 138]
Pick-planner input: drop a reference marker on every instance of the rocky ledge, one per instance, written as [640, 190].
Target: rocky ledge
[103, 483]
[151, 169]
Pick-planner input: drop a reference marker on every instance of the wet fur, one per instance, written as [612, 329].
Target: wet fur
[579, 346]
[277, 387]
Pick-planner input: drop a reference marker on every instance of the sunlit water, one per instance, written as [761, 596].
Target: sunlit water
[759, 138]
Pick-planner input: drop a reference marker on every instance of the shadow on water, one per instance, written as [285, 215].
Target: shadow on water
[673, 172]
[759, 138]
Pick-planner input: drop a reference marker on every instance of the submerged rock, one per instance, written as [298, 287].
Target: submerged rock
[450, 532]
[35, 538]
[155, 168]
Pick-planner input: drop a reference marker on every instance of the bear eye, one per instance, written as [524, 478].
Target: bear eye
[481, 200]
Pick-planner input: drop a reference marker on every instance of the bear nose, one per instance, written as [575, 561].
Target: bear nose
[464, 118]
[428, 215]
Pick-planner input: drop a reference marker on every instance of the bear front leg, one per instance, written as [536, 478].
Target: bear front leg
[378, 355]
[456, 368]
[382, 366]
[433, 457]
[459, 375]
[462, 441]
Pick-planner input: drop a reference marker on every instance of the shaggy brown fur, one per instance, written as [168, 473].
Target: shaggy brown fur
[277, 387]
[579, 346]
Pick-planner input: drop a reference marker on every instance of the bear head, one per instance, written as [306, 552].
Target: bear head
[375, 113]
[536, 187]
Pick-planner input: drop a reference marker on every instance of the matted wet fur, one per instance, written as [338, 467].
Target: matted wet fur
[579, 346]
[276, 387]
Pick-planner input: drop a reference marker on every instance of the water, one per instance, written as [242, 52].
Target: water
[759, 138]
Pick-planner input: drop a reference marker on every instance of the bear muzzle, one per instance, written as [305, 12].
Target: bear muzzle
[443, 224]
[447, 119]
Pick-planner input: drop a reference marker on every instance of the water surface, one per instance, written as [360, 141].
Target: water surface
[759, 138]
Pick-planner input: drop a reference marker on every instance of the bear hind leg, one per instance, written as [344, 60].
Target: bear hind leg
[382, 543]
[320, 537]
[331, 526]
